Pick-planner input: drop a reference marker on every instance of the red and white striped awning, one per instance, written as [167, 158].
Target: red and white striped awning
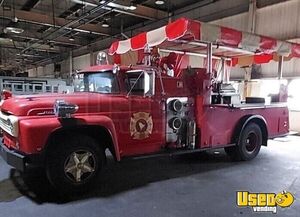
[190, 30]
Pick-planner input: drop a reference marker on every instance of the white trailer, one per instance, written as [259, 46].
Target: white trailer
[25, 85]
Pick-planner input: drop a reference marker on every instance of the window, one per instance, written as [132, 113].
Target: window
[28, 87]
[267, 88]
[55, 89]
[7, 86]
[294, 95]
[104, 82]
[38, 88]
[135, 82]
[18, 87]
[48, 89]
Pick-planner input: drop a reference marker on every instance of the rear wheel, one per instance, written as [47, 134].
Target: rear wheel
[74, 163]
[248, 145]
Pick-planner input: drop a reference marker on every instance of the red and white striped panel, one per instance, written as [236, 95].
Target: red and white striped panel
[206, 33]
[152, 38]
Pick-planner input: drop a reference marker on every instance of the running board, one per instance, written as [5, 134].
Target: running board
[175, 152]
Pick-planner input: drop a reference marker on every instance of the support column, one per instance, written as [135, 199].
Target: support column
[252, 16]
[209, 58]
[280, 67]
[207, 84]
[71, 67]
[251, 29]
[91, 57]
[71, 62]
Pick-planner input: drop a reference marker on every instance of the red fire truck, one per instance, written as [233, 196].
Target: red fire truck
[160, 105]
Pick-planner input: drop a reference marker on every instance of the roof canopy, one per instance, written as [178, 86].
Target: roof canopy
[191, 36]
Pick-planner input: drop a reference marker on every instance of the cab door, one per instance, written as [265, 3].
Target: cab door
[145, 117]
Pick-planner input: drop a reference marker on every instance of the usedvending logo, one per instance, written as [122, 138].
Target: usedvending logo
[264, 202]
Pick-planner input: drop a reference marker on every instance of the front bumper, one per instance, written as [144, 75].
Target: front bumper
[13, 158]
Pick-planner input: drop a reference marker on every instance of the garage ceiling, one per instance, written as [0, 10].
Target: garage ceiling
[50, 28]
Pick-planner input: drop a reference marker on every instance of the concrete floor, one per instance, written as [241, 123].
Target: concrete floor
[202, 184]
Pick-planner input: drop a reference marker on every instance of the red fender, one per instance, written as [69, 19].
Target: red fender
[35, 132]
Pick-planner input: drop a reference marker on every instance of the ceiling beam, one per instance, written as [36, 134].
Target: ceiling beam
[147, 13]
[30, 4]
[140, 11]
[42, 19]
[206, 10]
[32, 36]
[46, 48]
[61, 41]
[20, 46]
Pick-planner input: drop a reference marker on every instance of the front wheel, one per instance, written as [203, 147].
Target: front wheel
[74, 163]
[248, 145]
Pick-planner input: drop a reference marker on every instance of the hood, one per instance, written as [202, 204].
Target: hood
[42, 104]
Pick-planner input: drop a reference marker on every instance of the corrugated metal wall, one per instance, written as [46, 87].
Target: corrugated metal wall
[280, 21]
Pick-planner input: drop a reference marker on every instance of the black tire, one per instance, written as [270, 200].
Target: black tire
[248, 145]
[74, 156]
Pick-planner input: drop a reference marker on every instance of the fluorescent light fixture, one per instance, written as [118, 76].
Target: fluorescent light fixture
[14, 27]
[159, 2]
[109, 6]
[14, 30]
[132, 7]
[105, 24]
[5, 40]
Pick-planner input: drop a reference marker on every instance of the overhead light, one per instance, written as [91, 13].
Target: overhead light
[4, 39]
[132, 6]
[14, 28]
[159, 2]
[109, 6]
[105, 24]
[15, 19]
[11, 29]
[71, 38]
[6, 7]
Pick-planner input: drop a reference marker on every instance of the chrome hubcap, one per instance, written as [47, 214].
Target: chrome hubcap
[79, 166]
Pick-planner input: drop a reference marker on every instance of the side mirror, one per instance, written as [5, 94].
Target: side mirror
[149, 83]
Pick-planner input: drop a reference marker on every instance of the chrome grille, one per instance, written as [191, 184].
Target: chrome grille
[6, 124]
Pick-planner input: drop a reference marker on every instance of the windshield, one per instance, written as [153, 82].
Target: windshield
[104, 82]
